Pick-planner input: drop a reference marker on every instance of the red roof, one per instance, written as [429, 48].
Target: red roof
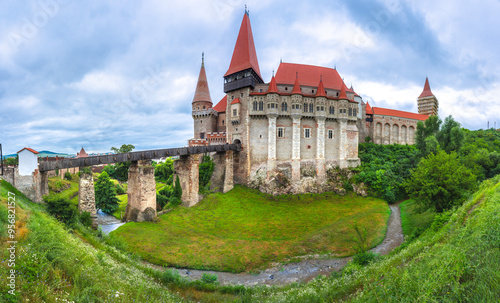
[202, 92]
[237, 100]
[369, 110]
[272, 86]
[221, 106]
[244, 55]
[343, 95]
[31, 150]
[427, 89]
[296, 86]
[321, 89]
[82, 154]
[398, 113]
[309, 75]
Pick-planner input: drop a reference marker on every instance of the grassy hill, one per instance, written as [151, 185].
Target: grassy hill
[458, 262]
[244, 229]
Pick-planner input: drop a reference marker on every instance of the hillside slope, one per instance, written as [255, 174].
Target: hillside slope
[458, 262]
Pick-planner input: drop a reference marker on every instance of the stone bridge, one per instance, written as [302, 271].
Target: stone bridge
[141, 181]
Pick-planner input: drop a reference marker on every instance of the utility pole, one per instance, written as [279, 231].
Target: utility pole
[1, 156]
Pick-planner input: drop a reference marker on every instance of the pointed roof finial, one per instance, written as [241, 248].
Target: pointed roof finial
[427, 89]
[273, 72]
[202, 59]
[321, 78]
[281, 60]
[247, 11]
[335, 67]
[296, 75]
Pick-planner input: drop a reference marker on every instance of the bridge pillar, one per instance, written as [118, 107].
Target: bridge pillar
[86, 196]
[44, 183]
[141, 192]
[218, 176]
[187, 168]
[228, 178]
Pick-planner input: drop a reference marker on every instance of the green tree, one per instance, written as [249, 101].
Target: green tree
[105, 194]
[450, 136]
[175, 199]
[440, 181]
[121, 169]
[164, 171]
[11, 161]
[429, 127]
[206, 170]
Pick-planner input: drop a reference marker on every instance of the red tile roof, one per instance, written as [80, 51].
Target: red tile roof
[31, 150]
[82, 154]
[237, 100]
[202, 92]
[296, 86]
[321, 89]
[244, 55]
[272, 86]
[368, 109]
[343, 95]
[309, 75]
[427, 89]
[221, 106]
[398, 113]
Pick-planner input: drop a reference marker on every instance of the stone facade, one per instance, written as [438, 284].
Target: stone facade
[141, 193]
[86, 194]
[187, 169]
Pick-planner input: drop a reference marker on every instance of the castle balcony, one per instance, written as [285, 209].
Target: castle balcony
[235, 120]
[272, 109]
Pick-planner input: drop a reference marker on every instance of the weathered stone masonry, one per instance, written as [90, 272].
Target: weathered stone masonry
[141, 192]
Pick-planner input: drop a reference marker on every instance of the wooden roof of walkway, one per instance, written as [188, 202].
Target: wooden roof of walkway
[136, 156]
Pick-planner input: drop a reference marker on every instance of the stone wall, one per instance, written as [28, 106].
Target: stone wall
[141, 193]
[86, 194]
[393, 130]
[187, 169]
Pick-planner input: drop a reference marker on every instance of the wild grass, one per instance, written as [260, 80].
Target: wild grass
[244, 230]
[70, 193]
[53, 265]
[457, 263]
[413, 220]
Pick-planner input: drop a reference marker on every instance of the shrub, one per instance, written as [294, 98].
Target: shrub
[440, 220]
[206, 170]
[61, 209]
[85, 219]
[170, 276]
[364, 258]
[58, 185]
[67, 176]
[209, 278]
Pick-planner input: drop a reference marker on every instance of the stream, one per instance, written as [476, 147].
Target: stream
[107, 222]
[303, 271]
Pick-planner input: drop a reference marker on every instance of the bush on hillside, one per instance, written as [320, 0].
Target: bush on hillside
[67, 176]
[61, 209]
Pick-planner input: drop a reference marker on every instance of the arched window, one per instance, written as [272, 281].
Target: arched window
[261, 105]
[255, 104]
[284, 106]
[311, 108]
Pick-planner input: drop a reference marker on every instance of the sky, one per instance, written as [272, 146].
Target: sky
[99, 74]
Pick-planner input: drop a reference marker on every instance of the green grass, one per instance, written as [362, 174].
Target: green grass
[244, 229]
[457, 263]
[122, 201]
[54, 265]
[414, 221]
[71, 193]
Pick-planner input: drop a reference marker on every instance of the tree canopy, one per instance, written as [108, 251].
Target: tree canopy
[105, 194]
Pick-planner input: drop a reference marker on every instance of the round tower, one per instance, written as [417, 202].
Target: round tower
[205, 118]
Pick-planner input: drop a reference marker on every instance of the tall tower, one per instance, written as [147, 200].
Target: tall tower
[205, 118]
[244, 68]
[427, 103]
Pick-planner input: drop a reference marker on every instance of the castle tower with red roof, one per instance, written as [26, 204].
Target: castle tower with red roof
[204, 116]
[427, 103]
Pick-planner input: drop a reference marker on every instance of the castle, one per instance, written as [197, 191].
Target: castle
[300, 124]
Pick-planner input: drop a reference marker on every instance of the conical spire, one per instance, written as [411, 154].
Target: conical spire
[244, 54]
[202, 93]
[273, 88]
[296, 85]
[343, 95]
[321, 89]
[427, 89]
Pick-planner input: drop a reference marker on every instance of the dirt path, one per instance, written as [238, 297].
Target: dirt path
[306, 270]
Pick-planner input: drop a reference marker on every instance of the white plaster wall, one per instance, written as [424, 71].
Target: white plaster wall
[28, 162]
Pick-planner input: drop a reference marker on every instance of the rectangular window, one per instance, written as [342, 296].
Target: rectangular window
[235, 112]
[350, 112]
[307, 133]
[281, 132]
[202, 135]
[330, 134]
[354, 112]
